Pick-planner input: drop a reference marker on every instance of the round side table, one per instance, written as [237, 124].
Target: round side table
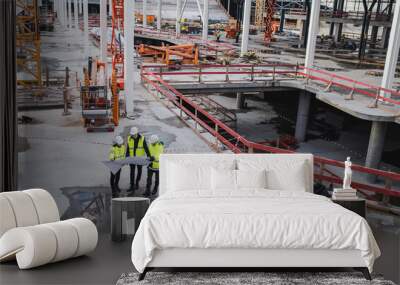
[126, 214]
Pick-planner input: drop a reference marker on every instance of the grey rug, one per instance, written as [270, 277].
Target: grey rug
[236, 278]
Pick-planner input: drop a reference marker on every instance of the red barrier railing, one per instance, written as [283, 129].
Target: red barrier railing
[286, 71]
[236, 143]
[352, 85]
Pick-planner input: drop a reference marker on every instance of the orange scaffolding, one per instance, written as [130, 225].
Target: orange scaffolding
[188, 53]
[117, 50]
[269, 22]
[28, 43]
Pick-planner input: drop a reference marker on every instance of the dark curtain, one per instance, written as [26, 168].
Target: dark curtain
[8, 108]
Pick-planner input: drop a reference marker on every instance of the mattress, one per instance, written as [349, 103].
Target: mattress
[250, 219]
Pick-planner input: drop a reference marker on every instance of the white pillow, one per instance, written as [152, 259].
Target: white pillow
[223, 179]
[296, 179]
[283, 173]
[251, 178]
[188, 177]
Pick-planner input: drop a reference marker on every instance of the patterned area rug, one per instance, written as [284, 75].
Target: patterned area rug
[243, 278]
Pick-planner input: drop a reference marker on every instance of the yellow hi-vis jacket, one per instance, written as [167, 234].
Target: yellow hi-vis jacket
[140, 147]
[155, 151]
[117, 152]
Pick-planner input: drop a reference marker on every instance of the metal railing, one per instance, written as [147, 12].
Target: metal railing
[325, 168]
[326, 81]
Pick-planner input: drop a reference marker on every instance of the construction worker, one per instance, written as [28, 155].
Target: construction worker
[156, 148]
[117, 152]
[137, 147]
[218, 35]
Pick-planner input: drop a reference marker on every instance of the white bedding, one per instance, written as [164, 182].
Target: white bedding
[252, 218]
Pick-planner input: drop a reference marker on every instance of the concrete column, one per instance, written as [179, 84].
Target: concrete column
[376, 144]
[385, 37]
[60, 11]
[392, 51]
[335, 34]
[240, 99]
[86, 25]
[110, 7]
[76, 17]
[282, 21]
[144, 12]
[302, 116]
[103, 30]
[178, 16]
[80, 6]
[312, 33]
[159, 6]
[205, 21]
[69, 13]
[103, 34]
[65, 12]
[129, 65]
[246, 27]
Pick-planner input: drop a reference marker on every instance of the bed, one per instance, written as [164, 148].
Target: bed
[246, 211]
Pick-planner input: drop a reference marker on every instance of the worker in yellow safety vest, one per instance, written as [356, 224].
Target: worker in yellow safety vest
[156, 148]
[117, 152]
[137, 147]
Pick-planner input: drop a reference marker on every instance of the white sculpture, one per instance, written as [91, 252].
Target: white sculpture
[347, 174]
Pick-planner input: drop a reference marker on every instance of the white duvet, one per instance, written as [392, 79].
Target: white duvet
[250, 219]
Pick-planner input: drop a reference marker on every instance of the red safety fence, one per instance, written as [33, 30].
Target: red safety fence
[330, 81]
[151, 76]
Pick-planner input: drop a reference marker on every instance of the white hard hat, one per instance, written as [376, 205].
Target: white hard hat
[153, 139]
[119, 140]
[134, 131]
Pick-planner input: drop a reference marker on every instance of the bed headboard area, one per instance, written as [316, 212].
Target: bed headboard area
[293, 172]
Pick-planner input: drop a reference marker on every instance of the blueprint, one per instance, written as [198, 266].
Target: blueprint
[115, 165]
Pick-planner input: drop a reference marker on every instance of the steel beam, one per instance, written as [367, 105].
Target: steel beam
[103, 35]
[392, 54]
[312, 33]
[129, 64]
[246, 27]
[205, 20]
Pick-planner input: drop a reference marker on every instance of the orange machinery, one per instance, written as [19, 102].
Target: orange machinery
[150, 18]
[94, 101]
[231, 28]
[189, 53]
[117, 50]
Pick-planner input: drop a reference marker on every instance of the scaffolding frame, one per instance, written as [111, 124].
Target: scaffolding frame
[117, 50]
[28, 43]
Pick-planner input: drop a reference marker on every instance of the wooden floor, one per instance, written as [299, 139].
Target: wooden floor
[103, 266]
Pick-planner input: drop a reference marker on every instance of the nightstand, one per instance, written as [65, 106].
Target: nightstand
[356, 205]
[126, 214]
